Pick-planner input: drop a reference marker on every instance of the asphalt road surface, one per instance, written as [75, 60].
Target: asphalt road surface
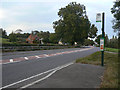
[14, 73]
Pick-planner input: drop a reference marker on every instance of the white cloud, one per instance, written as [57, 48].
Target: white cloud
[28, 27]
[88, 1]
[2, 13]
[40, 16]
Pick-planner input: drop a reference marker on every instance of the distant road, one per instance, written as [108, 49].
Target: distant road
[35, 62]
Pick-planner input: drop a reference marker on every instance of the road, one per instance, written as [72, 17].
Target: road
[45, 60]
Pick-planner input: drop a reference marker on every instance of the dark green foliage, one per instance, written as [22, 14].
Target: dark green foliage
[116, 13]
[73, 25]
[112, 43]
[53, 38]
[93, 31]
[44, 35]
[21, 38]
[88, 42]
[12, 37]
[3, 33]
[98, 39]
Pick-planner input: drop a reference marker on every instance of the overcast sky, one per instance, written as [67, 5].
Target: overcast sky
[39, 15]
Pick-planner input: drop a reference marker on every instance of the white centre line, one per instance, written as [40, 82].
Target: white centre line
[37, 57]
[26, 58]
[11, 60]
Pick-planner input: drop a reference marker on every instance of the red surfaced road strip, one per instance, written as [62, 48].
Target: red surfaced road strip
[34, 57]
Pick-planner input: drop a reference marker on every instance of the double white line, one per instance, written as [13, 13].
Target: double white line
[28, 85]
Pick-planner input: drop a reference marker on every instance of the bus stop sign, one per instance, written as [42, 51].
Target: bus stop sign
[102, 41]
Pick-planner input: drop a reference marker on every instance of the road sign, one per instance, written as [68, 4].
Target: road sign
[102, 44]
[98, 17]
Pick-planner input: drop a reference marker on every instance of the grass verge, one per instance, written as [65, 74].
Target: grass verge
[111, 50]
[110, 77]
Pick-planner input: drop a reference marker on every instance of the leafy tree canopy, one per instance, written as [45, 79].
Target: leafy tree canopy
[116, 13]
[88, 42]
[73, 25]
[3, 33]
[12, 37]
[93, 31]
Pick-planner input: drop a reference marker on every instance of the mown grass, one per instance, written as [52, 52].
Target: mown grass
[111, 49]
[6, 41]
[110, 77]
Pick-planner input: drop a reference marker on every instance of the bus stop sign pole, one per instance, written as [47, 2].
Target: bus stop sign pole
[102, 57]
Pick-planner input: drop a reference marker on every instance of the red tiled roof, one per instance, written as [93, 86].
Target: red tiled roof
[31, 38]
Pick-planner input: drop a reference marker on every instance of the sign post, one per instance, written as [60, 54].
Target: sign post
[102, 62]
[102, 41]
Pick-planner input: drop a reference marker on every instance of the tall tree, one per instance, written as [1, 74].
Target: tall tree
[3, 33]
[113, 43]
[12, 37]
[93, 31]
[53, 38]
[73, 25]
[116, 13]
[88, 42]
[44, 35]
[98, 39]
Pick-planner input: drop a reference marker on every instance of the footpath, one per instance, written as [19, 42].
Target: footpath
[74, 76]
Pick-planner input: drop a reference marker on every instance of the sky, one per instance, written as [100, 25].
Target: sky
[30, 15]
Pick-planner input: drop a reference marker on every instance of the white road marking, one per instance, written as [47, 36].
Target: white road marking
[55, 69]
[46, 55]
[28, 85]
[37, 57]
[66, 52]
[26, 58]
[11, 60]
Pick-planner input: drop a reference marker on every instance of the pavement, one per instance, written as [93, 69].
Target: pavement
[74, 76]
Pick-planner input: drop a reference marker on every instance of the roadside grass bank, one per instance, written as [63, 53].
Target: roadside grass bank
[110, 77]
[111, 49]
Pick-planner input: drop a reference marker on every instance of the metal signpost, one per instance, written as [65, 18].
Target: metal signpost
[102, 40]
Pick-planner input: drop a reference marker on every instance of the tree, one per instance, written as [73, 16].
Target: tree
[12, 37]
[35, 32]
[116, 13]
[93, 31]
[98, 39]
[106, 39]
[73, 25]
[113, 43]
[88, 42]
[52, 38]
[44, 35]
[3, 33]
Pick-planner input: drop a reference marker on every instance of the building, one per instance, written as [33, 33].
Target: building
[32, 38]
